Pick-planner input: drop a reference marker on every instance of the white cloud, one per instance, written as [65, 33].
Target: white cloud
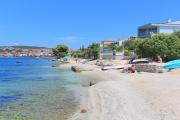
[15, 44]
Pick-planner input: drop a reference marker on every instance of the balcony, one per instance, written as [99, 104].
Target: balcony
[147, 32]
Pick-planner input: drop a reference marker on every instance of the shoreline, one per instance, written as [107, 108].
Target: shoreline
[139, 96]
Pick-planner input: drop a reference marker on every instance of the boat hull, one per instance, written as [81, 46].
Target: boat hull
[172, 64]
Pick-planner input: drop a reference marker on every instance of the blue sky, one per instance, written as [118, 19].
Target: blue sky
[78, 22]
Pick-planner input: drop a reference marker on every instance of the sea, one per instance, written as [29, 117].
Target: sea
[31, 89]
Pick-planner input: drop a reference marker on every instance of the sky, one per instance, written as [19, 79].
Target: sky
[78, 22]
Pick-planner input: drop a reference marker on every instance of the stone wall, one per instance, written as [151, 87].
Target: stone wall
[149, 68]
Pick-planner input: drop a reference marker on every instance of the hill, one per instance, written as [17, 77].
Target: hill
[26, 47]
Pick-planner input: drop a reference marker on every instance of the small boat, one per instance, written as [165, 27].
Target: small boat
[54, 65]
[172, 64]
[140, 61]
[53, 60]
[18, 62]
[110, 67]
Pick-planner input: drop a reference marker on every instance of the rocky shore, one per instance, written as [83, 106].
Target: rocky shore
[139, 96]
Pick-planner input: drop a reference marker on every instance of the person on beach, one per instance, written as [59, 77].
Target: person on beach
[131, 69]
[159, 60]
[131, 60]
[76, 59]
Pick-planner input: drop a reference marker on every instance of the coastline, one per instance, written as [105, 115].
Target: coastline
[139, 96]
[34, 89]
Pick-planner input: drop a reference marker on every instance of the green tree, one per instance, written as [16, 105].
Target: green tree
[177, 33]
[112, 47]
[93, 51]
[166, 46]
[173, 44]
[129, 45]
[156, 46]
[60, 51]
[139, 47]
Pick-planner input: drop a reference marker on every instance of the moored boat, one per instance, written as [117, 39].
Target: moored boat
[172, 64]
[18, 62]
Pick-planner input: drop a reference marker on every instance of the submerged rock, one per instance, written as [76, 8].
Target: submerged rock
[83, 111]
[91, 83]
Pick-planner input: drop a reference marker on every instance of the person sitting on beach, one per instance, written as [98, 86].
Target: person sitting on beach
[131, 69]
[131, 60]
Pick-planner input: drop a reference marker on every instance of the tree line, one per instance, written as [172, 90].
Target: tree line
[91, 52]
[167, 46]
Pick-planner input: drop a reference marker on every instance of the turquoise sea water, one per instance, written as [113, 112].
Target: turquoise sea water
[34, 90]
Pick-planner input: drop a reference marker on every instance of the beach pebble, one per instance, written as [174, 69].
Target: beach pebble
[83, 110]
[91, 84]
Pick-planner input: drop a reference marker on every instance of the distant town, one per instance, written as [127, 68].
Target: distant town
[25, 51]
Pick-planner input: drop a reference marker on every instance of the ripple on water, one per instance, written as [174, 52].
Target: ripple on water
[36, 91]
[4, 100]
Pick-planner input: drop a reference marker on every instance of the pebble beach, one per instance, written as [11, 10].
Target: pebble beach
[123, 96]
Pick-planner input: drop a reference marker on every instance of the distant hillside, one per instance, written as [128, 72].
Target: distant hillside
[26, 47]
[25, 51]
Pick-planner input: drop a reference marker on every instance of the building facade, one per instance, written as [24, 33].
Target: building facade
[151, 29]
[107, 53]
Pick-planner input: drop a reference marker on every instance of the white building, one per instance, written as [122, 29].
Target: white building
[154, 28]
[107, 53]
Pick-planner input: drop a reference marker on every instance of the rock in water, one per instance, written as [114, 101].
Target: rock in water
[83, 111]
[91, 84]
